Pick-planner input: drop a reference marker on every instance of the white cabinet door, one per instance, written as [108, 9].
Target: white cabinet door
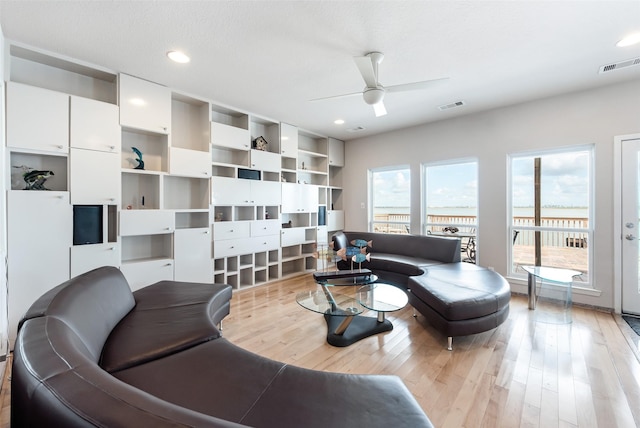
[144, 105]
[266, 192]
[292, 236]
[288, 140]
[336, 152]
[95, 125]
[230, 191]
[192, 163]
[39, 235]
[230, 136]
[94, 177]
[141, 274]
[265, 161]
[308, 198]
[192, 255]
[290, 197]
[146, 222]
[37, 118]
[298, 198]
[88, 257]
[335, 220]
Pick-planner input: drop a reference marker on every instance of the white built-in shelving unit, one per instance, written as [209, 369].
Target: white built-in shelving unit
[208, 206]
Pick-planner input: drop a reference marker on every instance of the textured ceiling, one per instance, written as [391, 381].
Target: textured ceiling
[271, 57]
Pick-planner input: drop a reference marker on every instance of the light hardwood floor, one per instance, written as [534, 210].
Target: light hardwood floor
[522, 374]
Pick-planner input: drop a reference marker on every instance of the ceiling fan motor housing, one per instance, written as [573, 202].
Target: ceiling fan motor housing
[373, 95]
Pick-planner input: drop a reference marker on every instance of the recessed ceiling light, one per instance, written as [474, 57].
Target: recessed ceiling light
[629, 40]
[339, 122]
[137, 102]
[178, 56]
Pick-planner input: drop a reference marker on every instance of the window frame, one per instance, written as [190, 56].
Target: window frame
[514, 271]
[424, 198]
[370, 191]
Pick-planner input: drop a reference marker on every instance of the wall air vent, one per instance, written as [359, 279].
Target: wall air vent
[451, 105]
[356, 129]
[619, 65]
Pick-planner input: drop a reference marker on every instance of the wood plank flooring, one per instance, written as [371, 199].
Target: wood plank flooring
[522, 374]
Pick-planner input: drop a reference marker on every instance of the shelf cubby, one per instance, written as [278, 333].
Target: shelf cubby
[189, 123]
[186, 193]
[138, 184]
[147, 247]
[35, 68]
[154, 149]
[20, 162]
[269, 130]
[190, 220]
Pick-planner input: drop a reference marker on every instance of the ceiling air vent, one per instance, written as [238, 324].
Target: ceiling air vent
[619, 65]
[356, 129]
[452, 105]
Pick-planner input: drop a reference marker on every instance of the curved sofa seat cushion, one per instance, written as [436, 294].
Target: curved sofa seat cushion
[299, 387]
[221, 379]
[55, 382]
[462, 327]
[461, 291]
[215, 378]
[168, 317]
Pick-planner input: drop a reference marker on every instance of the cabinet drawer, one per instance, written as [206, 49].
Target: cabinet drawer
[232, 247]
[230, 230]
[230, 136]
[265, 243]
[146, 222]
[141, 274]
[88, 257]
[265, 227]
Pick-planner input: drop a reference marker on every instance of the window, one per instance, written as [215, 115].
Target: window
[390, 200]
[551, 201]
[450, 203]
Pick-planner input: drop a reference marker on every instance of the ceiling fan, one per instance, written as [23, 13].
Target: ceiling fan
[374, 92]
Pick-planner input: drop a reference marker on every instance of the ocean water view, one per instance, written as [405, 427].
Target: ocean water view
[553, 212]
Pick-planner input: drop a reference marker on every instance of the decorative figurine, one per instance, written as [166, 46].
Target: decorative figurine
[260, 143]
[34, 179]
[140, 161]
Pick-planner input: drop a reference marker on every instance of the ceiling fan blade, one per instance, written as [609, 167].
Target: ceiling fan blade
[336, 97]
[365, 65]
[425, 84]
[379, 109]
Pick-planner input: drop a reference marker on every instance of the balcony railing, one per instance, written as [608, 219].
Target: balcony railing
[564, 241]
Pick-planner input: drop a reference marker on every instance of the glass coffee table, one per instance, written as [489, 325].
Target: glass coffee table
[342, 305]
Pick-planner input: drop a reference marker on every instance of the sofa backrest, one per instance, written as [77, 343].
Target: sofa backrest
[442, 249]
[91, 305]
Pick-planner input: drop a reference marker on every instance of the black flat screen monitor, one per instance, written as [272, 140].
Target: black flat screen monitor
[87, 224]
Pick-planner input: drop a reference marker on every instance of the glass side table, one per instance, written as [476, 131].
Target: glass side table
[549, 292]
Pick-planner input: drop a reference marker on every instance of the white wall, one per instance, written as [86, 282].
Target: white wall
[587, 117]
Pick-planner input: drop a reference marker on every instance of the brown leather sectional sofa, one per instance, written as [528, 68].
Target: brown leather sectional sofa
[91, 353]
[456, 298]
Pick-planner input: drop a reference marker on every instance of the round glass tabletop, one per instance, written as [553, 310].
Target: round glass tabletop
[325, 302]
[382, 297]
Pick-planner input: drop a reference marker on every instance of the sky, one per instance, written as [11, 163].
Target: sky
[565, 183]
